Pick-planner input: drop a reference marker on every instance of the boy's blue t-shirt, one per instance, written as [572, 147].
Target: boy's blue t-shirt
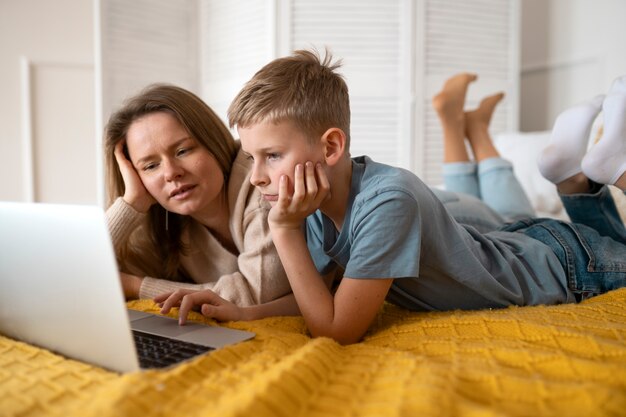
[395, 227]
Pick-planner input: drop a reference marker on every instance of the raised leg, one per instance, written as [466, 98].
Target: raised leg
[448, 104]
[560, 160]
[498, 185]
[605, 163]
[477, 128]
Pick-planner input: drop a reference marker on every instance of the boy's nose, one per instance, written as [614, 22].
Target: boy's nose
[258, 178]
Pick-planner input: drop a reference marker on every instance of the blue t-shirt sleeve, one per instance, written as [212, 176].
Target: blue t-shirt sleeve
[386, 237]
[315, 242]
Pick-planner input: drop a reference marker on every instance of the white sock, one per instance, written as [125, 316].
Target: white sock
[606, 160]
[561, 158]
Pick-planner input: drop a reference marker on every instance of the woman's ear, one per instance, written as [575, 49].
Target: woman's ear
[334, 144]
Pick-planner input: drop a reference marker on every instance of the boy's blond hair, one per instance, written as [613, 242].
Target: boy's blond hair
[302, 88]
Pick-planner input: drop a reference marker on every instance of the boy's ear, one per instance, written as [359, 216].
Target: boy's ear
[334, 144]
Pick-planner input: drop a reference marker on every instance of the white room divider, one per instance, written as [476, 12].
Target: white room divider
[396, 55]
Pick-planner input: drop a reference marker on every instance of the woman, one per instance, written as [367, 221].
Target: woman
[182, 212]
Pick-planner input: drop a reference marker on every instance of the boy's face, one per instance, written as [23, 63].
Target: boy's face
[275, 150]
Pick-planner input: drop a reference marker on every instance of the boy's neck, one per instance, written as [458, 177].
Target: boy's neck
[340, 179]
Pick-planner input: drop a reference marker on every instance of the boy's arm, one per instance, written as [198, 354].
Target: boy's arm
[345, 316]
[283, 306]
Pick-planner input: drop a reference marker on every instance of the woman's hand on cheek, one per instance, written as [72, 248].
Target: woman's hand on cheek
[135, 192]
[311, 187]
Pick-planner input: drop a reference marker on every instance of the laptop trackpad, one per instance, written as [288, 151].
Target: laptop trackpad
[163, 326]
[212, 336]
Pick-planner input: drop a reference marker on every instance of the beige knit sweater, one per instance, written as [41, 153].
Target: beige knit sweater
[254, 276]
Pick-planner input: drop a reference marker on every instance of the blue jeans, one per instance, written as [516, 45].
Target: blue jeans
[592, 248]
[485, 195]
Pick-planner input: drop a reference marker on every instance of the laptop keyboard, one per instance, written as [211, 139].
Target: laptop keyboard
[158, 351]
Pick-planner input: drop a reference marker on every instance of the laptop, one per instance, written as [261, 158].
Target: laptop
[60, 290]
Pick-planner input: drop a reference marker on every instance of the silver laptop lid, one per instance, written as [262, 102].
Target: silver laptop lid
[59, 285]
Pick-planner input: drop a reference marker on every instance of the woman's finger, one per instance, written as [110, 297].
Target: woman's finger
[172, 301]
[187, 303]
[162, 297]
[121, 159]
[196, 299]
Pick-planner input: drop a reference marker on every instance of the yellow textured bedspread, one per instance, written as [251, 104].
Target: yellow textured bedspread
[567, 360]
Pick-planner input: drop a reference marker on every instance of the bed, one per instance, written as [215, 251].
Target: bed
[564, 360]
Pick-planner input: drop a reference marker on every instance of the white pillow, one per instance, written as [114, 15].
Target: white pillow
[522, 149]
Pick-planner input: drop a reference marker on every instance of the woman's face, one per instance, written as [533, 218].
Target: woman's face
[177, 171]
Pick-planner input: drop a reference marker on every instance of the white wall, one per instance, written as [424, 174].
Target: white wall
[571, 51]
[396, 56]
[144, 42]
[53, 41]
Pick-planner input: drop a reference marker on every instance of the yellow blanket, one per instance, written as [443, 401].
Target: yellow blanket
[567, 360]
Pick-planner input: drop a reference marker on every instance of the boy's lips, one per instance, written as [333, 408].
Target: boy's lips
[182, 192]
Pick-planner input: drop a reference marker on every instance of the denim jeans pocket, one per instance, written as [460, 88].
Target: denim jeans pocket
[594, 264]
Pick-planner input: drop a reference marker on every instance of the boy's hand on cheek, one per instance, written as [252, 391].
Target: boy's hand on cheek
[311, 188]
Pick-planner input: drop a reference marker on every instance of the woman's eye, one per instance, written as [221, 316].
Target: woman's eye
[182, 151]
[149, 167]
[273, 156]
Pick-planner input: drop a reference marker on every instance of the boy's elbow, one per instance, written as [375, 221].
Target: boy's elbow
[343, 338]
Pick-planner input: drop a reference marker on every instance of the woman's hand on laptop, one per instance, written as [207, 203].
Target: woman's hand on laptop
[206, 301]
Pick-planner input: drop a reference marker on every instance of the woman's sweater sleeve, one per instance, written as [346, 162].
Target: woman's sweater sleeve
[259, 277]
[151, 287]
[261, 273]
[122, 220]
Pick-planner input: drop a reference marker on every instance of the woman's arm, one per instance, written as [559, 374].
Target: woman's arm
[212, 305]
[122, 220]
[260, 276]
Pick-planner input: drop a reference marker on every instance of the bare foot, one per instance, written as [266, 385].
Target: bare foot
[477, 128]
[449, 105]
[450, 101]
[481, 117]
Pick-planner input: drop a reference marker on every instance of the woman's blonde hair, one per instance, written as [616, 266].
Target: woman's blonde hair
[302, 88]
[155, 250]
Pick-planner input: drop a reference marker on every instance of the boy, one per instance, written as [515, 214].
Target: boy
[384, 230]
